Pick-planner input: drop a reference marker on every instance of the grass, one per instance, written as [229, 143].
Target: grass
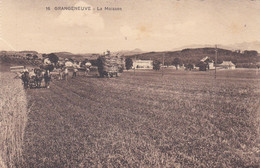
[183, 119]
[13, 117]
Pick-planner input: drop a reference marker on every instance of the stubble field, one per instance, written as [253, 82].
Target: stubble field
[181, 119]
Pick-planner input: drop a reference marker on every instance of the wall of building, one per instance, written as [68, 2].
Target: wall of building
[143, 64]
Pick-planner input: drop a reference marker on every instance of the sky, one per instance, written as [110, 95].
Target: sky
[149, 25]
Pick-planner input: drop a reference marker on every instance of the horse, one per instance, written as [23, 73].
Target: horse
[25, 79]
[38, 77]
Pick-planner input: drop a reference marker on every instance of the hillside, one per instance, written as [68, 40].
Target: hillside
[129, 52]
[194, 55]
[79, 57]
[247, 58]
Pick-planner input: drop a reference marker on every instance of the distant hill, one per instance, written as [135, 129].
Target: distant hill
[129, 52]
[80, 57]
[95, 55]
[187, 55]
[18, 52]
[194, 55]
[254, 45]
[26, 52]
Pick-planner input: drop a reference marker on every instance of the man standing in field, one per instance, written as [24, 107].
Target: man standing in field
[66, 73]
[47, 78]
[87, 67]
[32, 73]
[74, 71]
[60, 74]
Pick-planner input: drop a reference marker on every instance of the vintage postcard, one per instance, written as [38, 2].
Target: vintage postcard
[130, 83]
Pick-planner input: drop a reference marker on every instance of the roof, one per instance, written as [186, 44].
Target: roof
[227, 63]
[207, 59]
[143, 61]
[204, 59]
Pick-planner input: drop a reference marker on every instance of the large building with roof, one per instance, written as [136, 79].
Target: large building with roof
[143, 64]
[227, 65]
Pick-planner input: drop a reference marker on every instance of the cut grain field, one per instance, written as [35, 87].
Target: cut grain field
[181, 119]
[13, 118]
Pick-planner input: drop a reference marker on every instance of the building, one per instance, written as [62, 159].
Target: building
[227, 65]
[206, 64]
[143, 64]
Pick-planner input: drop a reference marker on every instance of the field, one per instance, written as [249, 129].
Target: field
[13, 118]
[181, 119]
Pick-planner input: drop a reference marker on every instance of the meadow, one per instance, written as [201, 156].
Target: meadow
[144, 119]
[13, 118]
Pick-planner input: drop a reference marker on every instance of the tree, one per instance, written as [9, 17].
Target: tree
[250, 53]
[128, 63]
[219, 61]
[53, 58]
[190, 66]
[71, 60]
[156, 65]
[29, 56]
[35, 57]
[44, 56]
[176, 62]
[48, 67]
[202, 66]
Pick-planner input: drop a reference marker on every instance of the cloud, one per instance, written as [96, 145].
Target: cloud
[128, 31]
[82, 17]
[139, 32]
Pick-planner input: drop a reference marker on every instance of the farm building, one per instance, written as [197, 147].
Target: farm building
[227, 65]
[209, 62]
[206, 64]
[143, 64]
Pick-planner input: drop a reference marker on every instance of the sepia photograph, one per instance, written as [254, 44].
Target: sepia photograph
[130, 83]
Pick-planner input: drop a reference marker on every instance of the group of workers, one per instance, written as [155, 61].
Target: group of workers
[64, 72]
[35, 75]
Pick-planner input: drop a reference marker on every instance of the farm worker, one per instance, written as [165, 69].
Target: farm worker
[47, 78]
[87, 67]
[74, 71]
[23, 71]
[66, 73]
[60, 74]
[31, 73]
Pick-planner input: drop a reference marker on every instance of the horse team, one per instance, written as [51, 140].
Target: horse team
[34, 78]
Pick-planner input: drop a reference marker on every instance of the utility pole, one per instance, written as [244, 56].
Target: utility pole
[163, 64]
[134, 67]
[216, 60]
